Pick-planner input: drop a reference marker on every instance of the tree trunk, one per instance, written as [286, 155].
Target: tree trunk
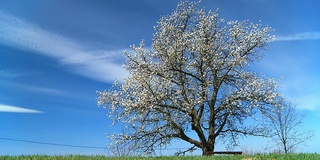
[208, 149]
[285, 149]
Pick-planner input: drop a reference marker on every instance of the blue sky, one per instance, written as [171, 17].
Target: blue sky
[55, 55]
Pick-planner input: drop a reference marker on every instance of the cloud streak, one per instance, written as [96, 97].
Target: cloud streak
[14, 109]
[80, 58]
[11, 74]
[43, 90]
[38, 89]
[299, 36]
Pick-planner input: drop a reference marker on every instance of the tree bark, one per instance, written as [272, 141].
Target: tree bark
[208, 148]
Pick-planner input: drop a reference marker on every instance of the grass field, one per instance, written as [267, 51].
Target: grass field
[255, 157]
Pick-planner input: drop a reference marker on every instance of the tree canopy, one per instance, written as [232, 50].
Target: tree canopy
[195, 78]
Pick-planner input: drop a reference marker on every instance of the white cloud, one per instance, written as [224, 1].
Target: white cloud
[43, 90]
[31, 88]
[310, 102]
[11, 74]
[80, 58]
[299, 36]
[303, 90]
[299, 81]
[14, 109]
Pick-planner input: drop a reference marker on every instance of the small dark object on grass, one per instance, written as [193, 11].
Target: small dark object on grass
[224, 152]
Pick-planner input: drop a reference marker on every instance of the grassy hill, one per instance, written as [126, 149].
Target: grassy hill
[243, 157]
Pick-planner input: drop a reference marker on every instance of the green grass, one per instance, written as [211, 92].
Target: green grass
[243, 157]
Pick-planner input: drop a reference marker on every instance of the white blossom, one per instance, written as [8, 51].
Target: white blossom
[195, 78]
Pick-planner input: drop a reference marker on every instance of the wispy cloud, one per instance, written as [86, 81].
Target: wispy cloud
[83, 59]
[299, 82]
[299, 36]
[310, 102]
[14, 109]
[37, 89]
[43, 90]
[9, 73]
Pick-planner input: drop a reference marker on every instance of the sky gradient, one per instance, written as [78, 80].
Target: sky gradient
[55, 55]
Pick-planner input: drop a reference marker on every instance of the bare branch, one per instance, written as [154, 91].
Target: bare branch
[193, 148]
[285, 123]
